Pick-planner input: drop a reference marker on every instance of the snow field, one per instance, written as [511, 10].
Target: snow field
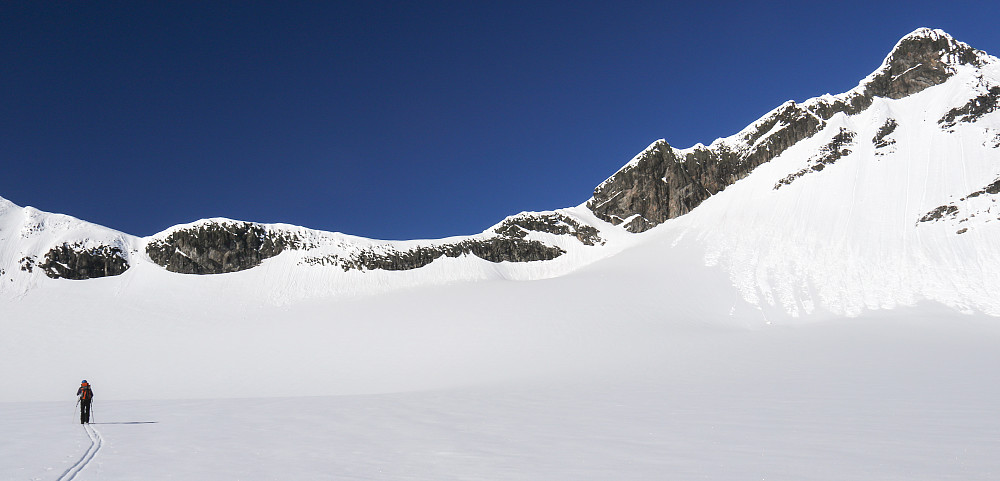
[873, 398]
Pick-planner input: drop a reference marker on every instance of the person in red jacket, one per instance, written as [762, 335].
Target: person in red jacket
[86, 395]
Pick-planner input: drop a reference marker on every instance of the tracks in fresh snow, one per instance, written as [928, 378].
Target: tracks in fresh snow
[96, 441]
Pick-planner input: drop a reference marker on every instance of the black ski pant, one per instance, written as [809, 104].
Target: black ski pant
[84, 411]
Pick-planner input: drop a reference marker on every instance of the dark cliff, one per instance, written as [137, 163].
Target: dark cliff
[76, 262]
[217, 248]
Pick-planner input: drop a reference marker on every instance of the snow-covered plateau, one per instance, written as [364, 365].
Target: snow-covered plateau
[819, 301]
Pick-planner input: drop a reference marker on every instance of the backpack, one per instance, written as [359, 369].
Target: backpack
[86, 393]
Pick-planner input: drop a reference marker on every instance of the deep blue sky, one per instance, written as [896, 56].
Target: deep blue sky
[400, 120]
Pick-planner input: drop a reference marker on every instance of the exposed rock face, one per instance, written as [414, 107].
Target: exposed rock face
[828, 154]
[992, 189]
[509, 245]
[973, 110]
[922, 59]
[952, 211]
[558, 224]
[939, 213]
[77, 262]
[662, 183]
[217, 247]
[27, 263]
[881, 140]
[497, 249]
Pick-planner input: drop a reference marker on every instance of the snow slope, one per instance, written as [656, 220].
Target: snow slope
[849, 238]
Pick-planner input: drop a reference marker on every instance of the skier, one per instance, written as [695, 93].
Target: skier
[86, 395]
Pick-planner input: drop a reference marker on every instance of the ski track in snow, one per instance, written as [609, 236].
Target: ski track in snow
[96, 441]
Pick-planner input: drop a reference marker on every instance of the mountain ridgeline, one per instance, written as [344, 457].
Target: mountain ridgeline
[663, 182]
[218, 247]
[659, 184]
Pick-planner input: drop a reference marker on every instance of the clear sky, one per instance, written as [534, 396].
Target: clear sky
[401, 120]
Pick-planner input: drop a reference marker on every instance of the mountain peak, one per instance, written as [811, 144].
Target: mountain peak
[927, 32]
[934, 43]
[923, 58]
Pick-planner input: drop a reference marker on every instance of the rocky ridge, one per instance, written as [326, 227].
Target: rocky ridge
[389, 258]
[220, 246]
[663, 182]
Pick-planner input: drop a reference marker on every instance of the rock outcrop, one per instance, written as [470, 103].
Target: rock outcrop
[520, 225]
[662, 182]
[973, 110]
[830, 153]
[951, 211]
[216, 247]
[881, 139]
[77, 262]
[510, 244]
[496, 249]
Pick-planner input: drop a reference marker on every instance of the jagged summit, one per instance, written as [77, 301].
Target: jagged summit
[929, 41]
[932, 41]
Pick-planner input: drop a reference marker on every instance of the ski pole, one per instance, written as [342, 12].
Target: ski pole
[75, 408]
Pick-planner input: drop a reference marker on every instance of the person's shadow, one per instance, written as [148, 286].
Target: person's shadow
[133, 422]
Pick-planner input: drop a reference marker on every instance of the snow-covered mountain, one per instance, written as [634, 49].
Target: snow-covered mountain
[878, 197]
